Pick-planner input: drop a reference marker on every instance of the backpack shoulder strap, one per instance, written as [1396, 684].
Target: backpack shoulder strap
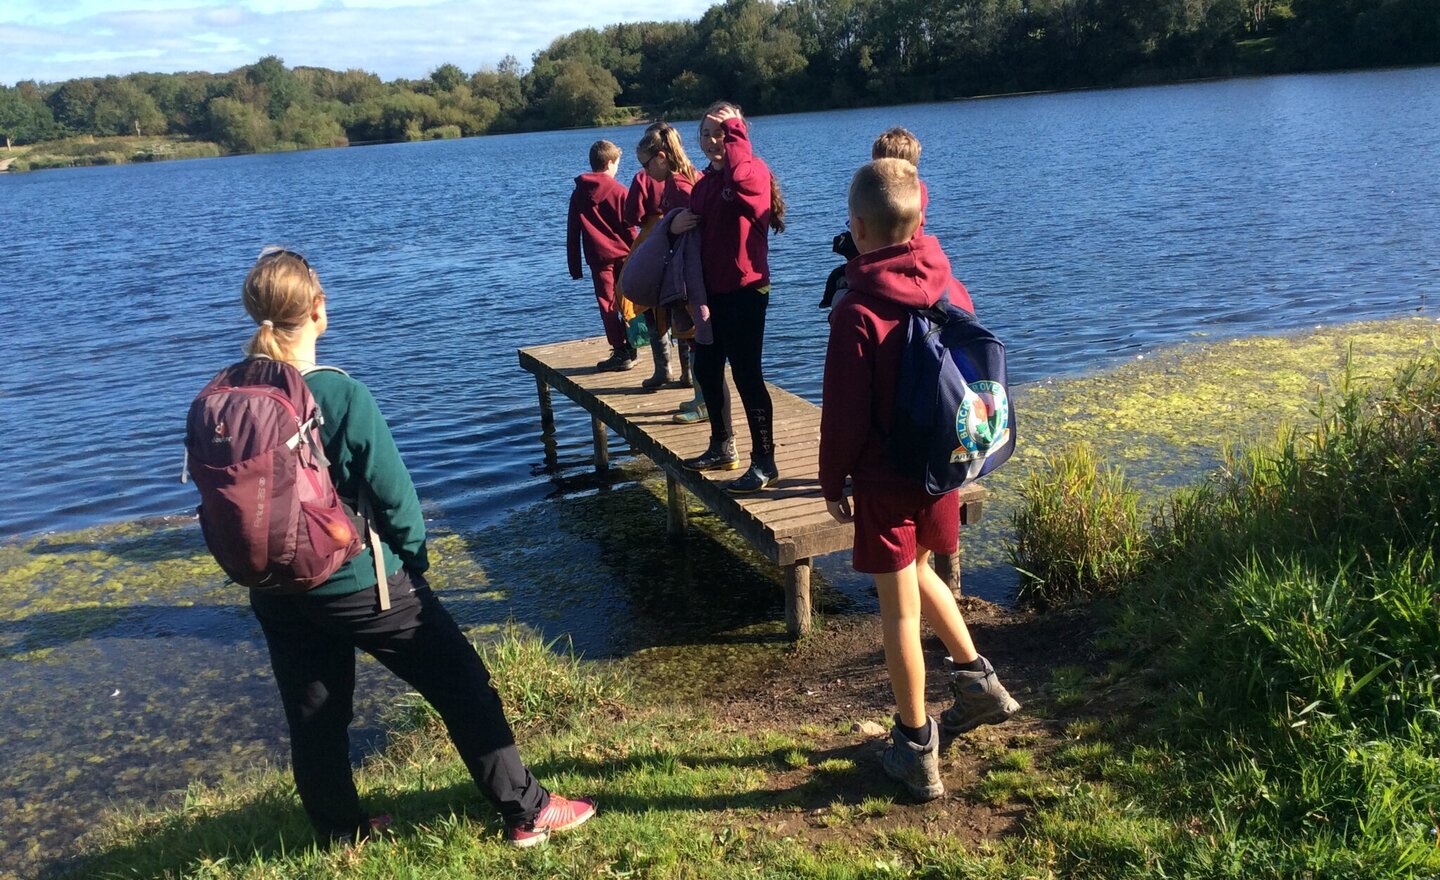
[366, 511]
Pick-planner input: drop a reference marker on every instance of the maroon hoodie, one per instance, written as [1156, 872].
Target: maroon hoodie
[734, 208]
[642, 200]
[597, 221]
[862, 362]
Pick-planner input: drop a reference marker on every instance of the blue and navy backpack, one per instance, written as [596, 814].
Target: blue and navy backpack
[954, 422]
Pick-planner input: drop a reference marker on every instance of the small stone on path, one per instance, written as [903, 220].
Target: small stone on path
[867, 728]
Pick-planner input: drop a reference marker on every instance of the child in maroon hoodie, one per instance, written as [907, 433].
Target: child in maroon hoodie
[597, 226]
[735, 205]
[897, 523]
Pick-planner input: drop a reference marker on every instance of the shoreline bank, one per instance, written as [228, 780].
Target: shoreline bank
[82, 605]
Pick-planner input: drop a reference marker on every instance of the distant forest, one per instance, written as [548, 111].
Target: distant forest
[769, 57]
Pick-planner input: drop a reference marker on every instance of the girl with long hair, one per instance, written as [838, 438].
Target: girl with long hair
[663, 160]
[735, 204]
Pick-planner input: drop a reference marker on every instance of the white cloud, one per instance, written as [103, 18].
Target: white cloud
[394, 38]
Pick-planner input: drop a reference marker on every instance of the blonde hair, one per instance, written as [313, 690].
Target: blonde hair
[663, 138]
[885, 194]
[279, 292]
[602, 153]
[897, 143]
[777, 200]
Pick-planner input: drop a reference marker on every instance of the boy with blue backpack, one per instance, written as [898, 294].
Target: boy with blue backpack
[898, 523]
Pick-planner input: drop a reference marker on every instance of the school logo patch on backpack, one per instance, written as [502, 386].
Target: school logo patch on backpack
[268, 509]
[954, 421]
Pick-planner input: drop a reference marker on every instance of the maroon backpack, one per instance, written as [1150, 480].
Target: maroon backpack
[268, 509]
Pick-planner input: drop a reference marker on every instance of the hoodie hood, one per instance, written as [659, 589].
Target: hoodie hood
[589, 184]
[914, 274]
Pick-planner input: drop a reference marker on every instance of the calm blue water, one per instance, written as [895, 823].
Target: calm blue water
[1089, 227]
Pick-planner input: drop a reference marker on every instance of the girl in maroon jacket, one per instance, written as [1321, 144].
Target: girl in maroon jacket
[671, 177]
[735, 205]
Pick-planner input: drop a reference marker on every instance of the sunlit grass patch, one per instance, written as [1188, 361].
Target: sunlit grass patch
[835, 766]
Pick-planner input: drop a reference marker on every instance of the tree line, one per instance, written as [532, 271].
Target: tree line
[768, 56]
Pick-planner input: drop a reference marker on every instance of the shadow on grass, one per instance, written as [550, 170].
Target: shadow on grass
[273, 826]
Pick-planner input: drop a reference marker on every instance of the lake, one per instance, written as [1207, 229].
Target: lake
[1090, 227]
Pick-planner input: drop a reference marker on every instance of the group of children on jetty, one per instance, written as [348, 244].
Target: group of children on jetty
[732, 206]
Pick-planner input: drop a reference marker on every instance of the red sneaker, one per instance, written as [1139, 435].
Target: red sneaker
[378, 826]
[561, 814]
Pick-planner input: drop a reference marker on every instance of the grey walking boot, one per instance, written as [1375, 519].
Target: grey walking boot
[917, 766]
[665, 371]
[980, 698]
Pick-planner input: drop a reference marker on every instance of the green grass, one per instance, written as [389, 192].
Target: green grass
[1292, 607]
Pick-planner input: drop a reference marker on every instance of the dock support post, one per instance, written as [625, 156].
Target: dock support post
[547, 427]
[797, 598]
[677, 518]
[947, 566]
[602, 445]
[547, 410]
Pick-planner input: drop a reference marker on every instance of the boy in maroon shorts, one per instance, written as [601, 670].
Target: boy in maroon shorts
[897, 523]
[597, 226]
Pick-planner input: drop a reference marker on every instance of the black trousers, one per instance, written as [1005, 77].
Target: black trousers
[312, 641]
[738, 320]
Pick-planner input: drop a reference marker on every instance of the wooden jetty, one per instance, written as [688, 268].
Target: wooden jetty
[787, 523]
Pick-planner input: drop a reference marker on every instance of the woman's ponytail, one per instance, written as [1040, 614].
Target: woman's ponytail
[279, 293]
[263, 343]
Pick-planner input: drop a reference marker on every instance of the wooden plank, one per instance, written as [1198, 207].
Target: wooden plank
[787, 523]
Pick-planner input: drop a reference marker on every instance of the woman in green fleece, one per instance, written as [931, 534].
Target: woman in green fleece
[312, 637]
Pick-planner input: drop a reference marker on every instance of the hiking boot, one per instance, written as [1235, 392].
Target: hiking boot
[980, 698]
[917, 766]
[616, 362]
[760, 475]
[716, 457]
[561, 814]
[691, 405]
[632, 358]
[691, 416]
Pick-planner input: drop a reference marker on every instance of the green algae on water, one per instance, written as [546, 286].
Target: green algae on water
[1165, 419]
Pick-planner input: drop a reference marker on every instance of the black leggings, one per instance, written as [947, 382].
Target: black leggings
[738, 319]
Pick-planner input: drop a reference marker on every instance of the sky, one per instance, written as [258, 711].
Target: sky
[56, 40]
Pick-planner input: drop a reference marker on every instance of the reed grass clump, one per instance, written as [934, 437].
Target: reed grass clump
[1293, 606]
[1078, 530]
[545, 685]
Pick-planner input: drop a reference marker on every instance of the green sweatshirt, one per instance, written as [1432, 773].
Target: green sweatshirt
[363, 454]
